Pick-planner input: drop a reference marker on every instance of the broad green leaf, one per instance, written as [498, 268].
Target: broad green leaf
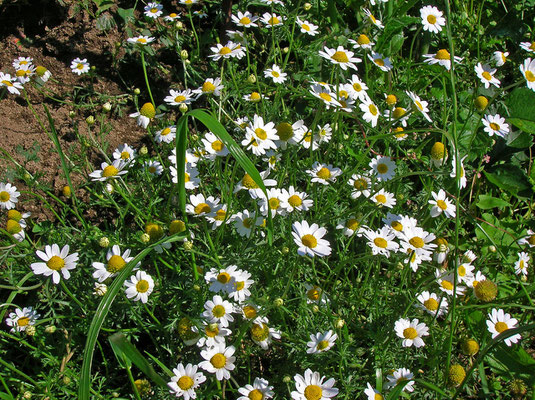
[521, 105]
[126, 14]
[488, 202]
[128, 350]
[519, 140]
[509, 178]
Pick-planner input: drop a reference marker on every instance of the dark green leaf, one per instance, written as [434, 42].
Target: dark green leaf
[509, 178]
[519, 140]
[487, 202]
[394, 394]
[521, 105]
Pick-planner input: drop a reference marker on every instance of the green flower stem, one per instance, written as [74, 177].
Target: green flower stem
[194, 33]
[131, 379]
[14, 293]
[18, 372]
[151, 314]
[147, 78]
[73, 297]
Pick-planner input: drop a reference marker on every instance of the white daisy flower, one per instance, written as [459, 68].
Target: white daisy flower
[245, 221]
[209, 87]
[323, 173]
[250, 185]
[465, 273]
[307, 27]
[384, 199]
[500, 58]
[219, 360]
[290, 134]
[22, 62]
[432, 19]
[371, 393]
[432, 304]
[411, 332]
[240, 286]
[214, 146]
[109, 171]
[218, 217]
[276, 74]
[8, 196]
[264, 134]
[177, 97]
[521, 266]
[80, 66]
[145, 114]
[358, 89]
[10, 83]
[382, 241]
[24, 74]
[309, 239]
[398, 116]
[273, 202]
[350, 226]
[401, 375]
[441, 57]
[441, 204]
[373, 20]
[115, 262]
[294, 200]
[344, 58]
[247, 20]
[383, 167]
[214, 334]
[462, 173]
[15, 227]
[315, 295]
[362, 42]
[529, 239]
[528, 70]
[528, 46]
[371, 112]
[272, 2]
[124, 153]
[321, 342]
[259, 390]
[220, 51]
[55, 261]
[153, 10]
[140, 40]
[311, 386]
[272, 19]
[486, 74]
[171, 17]
[166, 135]
[419, 105]
[139, 287]
[262, 334]
[445, 282]
[199, 206]
[325, 133]
[191, 176]
[219, 311]
[360, 186]
[309, 139]
[221, 280]
[382, 62]
[153, 167]
[324, 93]
[22, 319]
[43, 75]
[499, 322]
[468, 257]
[185, 381]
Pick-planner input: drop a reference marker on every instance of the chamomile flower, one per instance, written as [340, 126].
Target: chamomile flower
[139, 287]
[441, 205]
[250, 185]
[264, 133]
[140, 40]
[340, 56]
[10, 83]
[384, 199]
[219, 360]
[445, 282]
[115, 262]
[528, 70]
[310, 139]
[382, 241]
[22, 319]
[188, 3]
[272, 19]
[360, 186]
[124, 153]
[294, 200]
[398, 115]
[307, 27]
[499, 322]
[276, 74]
[465, 273]
[171, 17]
[486, 74]
[325, 133]
[56, 261]
[382, 62]
[373, 20]
[24, 74]
[177, 98]
[500, 58]
[259, 390]
[254, 146]
[240, 286]
[309, 239]
[358, 89]
[432, 304]
[8, 196]
[521, 266]
[166, 135]
[321, 342]
[262, 334]
[218, 217]
[220, 51]
[529, 239]
[145, 114]
[401, 375]
[109, 171]
[439, 256]
[315, 295]
[432, 19]
[419, 241]
[211, 86]
[221, 280]
[325, 93]
[15, 227]
[199, 206]
[462, 172]
[80, 66]
[290, 134]
[272, 203]
[362, 42]
[272, 2]
[272, 159]
[245, 221]
[323, 173]
[495, 125]
[214, 334]
[476, 279]
[254, 97]
[371, 393]
[42, 75]
[419, 105]
[22, 62]
[528, 46]
[311, 386]
[191, 176]
[383, 168]
[350, 226]
[371, 112]
[218, 310]
[411, 332]
[214, 146]
[185, 380]
[153, 10]
[247, 20]
[441, 57]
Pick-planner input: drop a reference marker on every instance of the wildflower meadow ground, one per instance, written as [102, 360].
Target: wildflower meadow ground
[325, 200]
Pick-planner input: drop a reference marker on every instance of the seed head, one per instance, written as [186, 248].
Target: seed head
[456, 375]
[486, 290]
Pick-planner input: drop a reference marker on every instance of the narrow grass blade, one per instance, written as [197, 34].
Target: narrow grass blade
[431, 386]
[180, 146]
[219, 130]
[102, 311]
[119, 341]
[396, 392]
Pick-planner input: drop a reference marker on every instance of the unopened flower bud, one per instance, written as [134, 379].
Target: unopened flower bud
[176, 226]
[115, 394]
[315, 308]
[183, 108]
[481, 103]
[251, 78]
[30, 330]
[100, 289]
[143, 150]
[307, 6]
[72, 114]
[285, 250]
[278, 302]
[90, 120]
[179, 25]
[188, 245]
[197, 288]
[137, 91]
[109, 188]
[492, 249]
[145, 238]
[184, 54]
[104, 242]
[27, 395]
[50, 329]
[339, 323]
[67, 191]
[287, 379]
[286, 50]
[106, 107]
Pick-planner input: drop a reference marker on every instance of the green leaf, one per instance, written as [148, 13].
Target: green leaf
[130, 352]
[521, 105]
[487, 202]
[126, 14]
[103, 309]
[394, 394]
[519, 140]
[431, 386]
[509, 178]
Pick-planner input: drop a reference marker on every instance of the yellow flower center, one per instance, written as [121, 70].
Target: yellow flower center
[530, 76]
[220, 215]
[260, 133]
[285, 131]
[378, 396]
[446, 285]
[248, 182]
[308, 137]
[373, 109]
[223, 277]
[109, 171]
[380, 242]
[382, 168]
[309, 241]
[218, 360]
[314, 293]
[431, 19]
[249, 312]
[166, 132]
[125, 155]
[431, 304]
[142, 286]
[340, 56]
[248, 223]
[115, 264]
[255, 394]
[295, 200]
[442, 205]
[55, 263]
[274, 203]
[500, 326]
[153, 10]
[357, 87]
[186, 177]
[152, 169]
[41, 70]
[313, 392]
[419, 105]
[417, 242]
[380, 198]
[225, 50]
[154, 231]
[322, 345]
[180, 99]
[218, 311]
[148, 110]
[397, 226]
[437, 151]
[363, 39]
[326, 96]
[379, 61]
[259, 332]
[275, 74]
[398, 112]
[487, 75]
[531, 240]
[217, 145]
[245, 21]
[212, 330]
[239, 285]
[208, 87]
[323, 173]
[274, 21]
[360, 184]
[7, 83]
[521, 264]
[461, 270]
[173, 15]
[176, 226]
[80, 66]
[142, 40]
[391, 99]
[202, 208]
[352, 224]
[255, 96]
[23, 321]
[185, 382]
[410, 333]
[13, 227]
[443, 54]
[305, 27]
